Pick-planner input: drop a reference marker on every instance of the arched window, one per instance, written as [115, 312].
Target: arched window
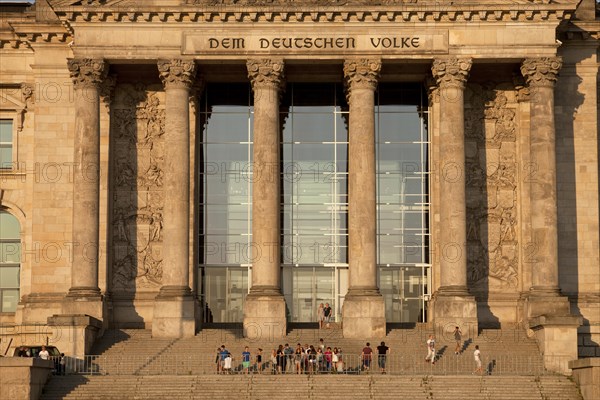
[10, 261]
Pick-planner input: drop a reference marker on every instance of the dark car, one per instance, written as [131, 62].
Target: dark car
[34, 351]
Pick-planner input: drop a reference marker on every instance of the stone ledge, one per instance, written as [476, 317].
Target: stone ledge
[554, 320]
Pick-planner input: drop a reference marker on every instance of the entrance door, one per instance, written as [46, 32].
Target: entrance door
[404, 290]
[225, 292]
[309, 287]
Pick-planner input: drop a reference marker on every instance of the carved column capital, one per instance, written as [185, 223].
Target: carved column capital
[451, 72]
[362, 73]
[266, 73]
[541, 71]
[86, 72]
[177, 73]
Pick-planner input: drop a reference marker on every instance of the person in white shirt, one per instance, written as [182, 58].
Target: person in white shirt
[477, 357]
[43, 354]
[430, 350]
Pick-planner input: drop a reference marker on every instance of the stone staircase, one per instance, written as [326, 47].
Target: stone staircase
[130, 364]
[326, 387]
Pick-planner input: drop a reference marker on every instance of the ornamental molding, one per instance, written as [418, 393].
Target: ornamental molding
[86, 72]
[541, 72]
[233, 11]
[177, 72]
[266, 73]
[451, 72]
[362, 73]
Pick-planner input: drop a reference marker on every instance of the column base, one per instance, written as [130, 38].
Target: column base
[74, 334]
[557, 339]
[174, 313]
[363, 315]
[265, 315]
[84, 301]
[453, 306]
[544, 301]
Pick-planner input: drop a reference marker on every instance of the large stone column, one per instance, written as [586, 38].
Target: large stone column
[174, 306]
[548, 312]
[264, 309]
[451, 304]
[84, 295]
[364, 308]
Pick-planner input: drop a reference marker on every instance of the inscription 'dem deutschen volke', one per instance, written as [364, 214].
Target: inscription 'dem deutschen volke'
[322, 43]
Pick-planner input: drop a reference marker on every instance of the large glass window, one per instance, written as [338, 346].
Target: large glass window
[6, 143]
[315, 197]
[402, 146]
[226, 121]
[10, 260]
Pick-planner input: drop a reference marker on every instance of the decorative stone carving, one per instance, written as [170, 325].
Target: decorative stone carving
[106, 89]
[138, 126]
[361, 73]
[177, 72]
[492, 223]
[27, 96]
[451, 72]
[87, 72]
[541, 71]
[266, 73]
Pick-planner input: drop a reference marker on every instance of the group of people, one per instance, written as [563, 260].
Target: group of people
[309, 359]
[285, 360]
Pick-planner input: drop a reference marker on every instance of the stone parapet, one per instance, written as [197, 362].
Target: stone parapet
[23, 378]
[586, 373]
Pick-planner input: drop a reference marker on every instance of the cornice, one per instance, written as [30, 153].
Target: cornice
[320, 11]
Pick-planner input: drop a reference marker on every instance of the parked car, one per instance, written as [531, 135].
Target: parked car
[34, 351]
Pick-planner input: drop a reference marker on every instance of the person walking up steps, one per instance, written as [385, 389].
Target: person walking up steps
[430, 350]
[458, 340]
[382, 351]
[477, 358]
[246, 360]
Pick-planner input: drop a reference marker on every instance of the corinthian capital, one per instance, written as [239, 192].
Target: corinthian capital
[86, 72]
[266, 72]
[541, 71]
[451, 72]
[177, 72]
[362, 73]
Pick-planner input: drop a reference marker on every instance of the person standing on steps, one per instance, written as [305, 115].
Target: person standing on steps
[430, 350]
[321, 315]
[382, 351]
[246, 360]
[218, 360]
[259, 360]
[366, 356]
[327, 315]
[477, 358]
[224, 353]
[458, 340]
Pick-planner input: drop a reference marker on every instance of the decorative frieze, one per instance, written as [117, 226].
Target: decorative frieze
[491, 181]
[137, 129]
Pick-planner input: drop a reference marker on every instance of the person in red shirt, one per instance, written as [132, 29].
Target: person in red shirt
[367, 355]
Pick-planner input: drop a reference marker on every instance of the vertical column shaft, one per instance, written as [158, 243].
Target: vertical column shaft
[177, 76]
[86, 74]
[451, 76]
[541, 74]
[361, 79]
[266, 76]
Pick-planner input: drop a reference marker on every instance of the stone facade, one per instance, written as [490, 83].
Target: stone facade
[103, 99]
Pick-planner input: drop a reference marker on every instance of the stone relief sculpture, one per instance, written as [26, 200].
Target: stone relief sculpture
[492, 223]
[137, 129]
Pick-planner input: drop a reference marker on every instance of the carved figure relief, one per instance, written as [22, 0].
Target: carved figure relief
[137, 128]
[492, 223]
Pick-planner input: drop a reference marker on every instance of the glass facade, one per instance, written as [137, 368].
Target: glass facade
[314, 199]
[10, 260]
